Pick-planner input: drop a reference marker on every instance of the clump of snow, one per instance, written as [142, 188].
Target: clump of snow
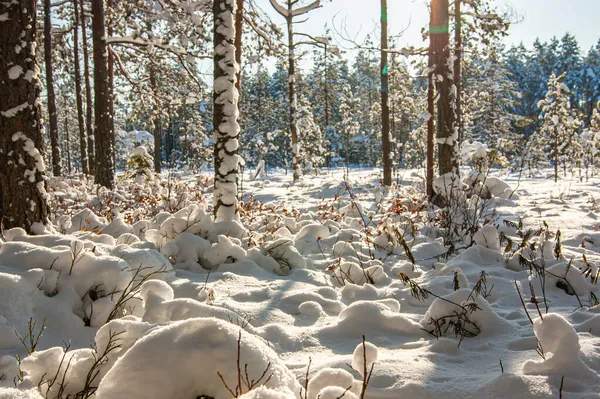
[364, 357]
[191, 352]
[560, 344]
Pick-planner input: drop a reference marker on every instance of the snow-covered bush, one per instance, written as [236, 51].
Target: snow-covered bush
[141, 164]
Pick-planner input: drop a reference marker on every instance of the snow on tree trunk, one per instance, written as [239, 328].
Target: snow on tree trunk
[52, 117]
[78, 99]
[447, 137]
[385, 106]
[225, 99]
[22, 181]
[104, 130]
[89, 126]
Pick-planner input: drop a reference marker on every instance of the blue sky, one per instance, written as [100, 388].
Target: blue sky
[540, 18]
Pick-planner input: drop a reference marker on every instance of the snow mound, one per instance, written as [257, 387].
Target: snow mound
[559, 339]
[374, 318]
[191, 352]
[329, 378]
[483, 319]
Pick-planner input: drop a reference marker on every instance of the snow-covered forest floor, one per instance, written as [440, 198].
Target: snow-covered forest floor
[149, 295]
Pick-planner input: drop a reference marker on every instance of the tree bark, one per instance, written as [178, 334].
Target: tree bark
[239, 21]
[78, 94]
[292, 95]
[68, 144]
[52, 117]
[102, 111]
[156, 132]
[430, 124]
[88, 95]
[226, 128]
[457, 65]
[111, 80]
[446, 135]
[385, 104]
[22, 182]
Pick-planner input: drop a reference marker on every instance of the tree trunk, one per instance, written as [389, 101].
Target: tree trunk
[103, 119]
[430, 125]
[111, 81]
[157, 133]
[88, 95]
[457, 65]
[292, 95]
[22, 184]
[385, 104]
[446, 134]
[78, 99]
[239, 21]
[52, 117]
[326, 88]
[68, 145]
[226, 128]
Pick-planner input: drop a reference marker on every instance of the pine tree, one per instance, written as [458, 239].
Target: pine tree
[558, 122]
[22, 175]
[104, 122]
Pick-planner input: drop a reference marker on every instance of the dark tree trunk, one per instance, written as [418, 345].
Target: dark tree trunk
[326, 88]
[385, 103]
[68, 144]
[22, 186]
[156, 132]
[239, 21]
[88, 95]
[457, 65]
[446, 138]
[78, 94]
[226, 128]
[430, 125]
[111, 80]
[104, 129]
[52, 117]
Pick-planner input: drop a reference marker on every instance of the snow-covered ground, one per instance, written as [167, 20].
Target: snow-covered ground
[161, 302]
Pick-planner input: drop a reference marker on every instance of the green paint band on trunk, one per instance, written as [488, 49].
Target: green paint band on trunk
[438, 29]
[384, 15]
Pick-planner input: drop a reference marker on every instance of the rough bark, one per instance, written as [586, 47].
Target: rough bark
[457, 64]
[156, 132]
[226, 128]
[385, 103]
[430, 123]
[67, 144]
[22, 181]
[446, 137]
[111, 79]
[78, 94]
[239, 21]
[52, 116]
[104, 126]
[88, 94]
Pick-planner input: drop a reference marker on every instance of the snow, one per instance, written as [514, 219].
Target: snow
[299, 278]
[15, 71]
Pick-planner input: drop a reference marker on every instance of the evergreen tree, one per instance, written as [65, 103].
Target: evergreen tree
[559, 124]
